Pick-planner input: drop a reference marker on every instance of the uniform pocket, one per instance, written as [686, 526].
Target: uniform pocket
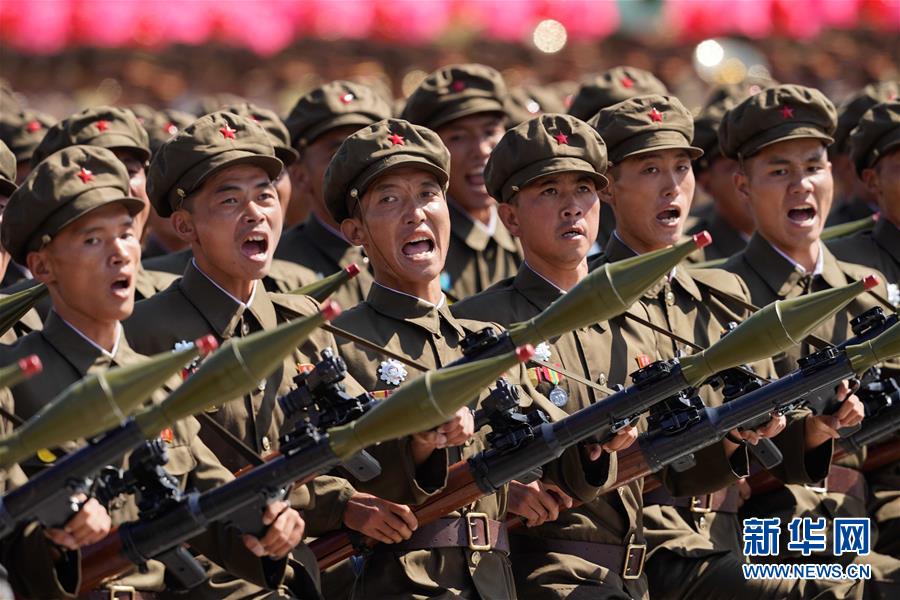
[181, 460]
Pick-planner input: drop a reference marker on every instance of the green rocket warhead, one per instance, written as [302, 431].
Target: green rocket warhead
[97, 402]
[21, 370]
[772, 329]
[238, 367]
[14, 306]
[423, 403]
[845, 229]
[320, 290]
[881, 348]
[605, 293]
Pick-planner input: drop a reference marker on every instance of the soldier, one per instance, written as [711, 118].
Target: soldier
[466, 106]
[692, 536]
[31, 321]
[118, 130]
[74, 215]
[318, 123]
[727, 217]
[875, 150]
[779, 137]
[22, 132]
[853, 199]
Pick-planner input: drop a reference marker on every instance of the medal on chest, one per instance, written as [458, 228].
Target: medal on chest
[392, 372]
[558, 396]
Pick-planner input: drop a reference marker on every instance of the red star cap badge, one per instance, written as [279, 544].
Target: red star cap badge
[85, 175]
[458, 86]
[561, 138]
[396, 140]
[227, 132]
[787, 112]
[348, 98]
[892, 96]
[102, 125]
[627, 82]
[33, 126]
[170, 128]
[655, 115]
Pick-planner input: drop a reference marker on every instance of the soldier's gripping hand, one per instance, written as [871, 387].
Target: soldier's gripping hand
[285, 530]
[454, 432]
[821, 428]
[90, 525]
[623, 439]
[380, 519]
[537, 502]
[752, 436]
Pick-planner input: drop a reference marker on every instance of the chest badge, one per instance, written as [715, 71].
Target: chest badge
[392, 372]
[542, 352]
[188, 370]
[894, 294]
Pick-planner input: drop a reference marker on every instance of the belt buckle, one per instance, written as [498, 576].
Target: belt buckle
[471, 519]
[630, 552]
[115, 590]
[822, 488]
[698, 506]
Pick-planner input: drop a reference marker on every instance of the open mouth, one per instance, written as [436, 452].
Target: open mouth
[802, 215]
[669, 217]
[475, 177]
[572, 232]
[121, 286]
[255, 246]
[419, 247]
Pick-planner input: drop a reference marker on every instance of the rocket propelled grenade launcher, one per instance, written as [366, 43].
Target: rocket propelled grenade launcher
[20, 370]
[323, 288]
[97, 402]
[772, 329]
[606, 292]
[418, 405]
[232, 371]
[14, 306]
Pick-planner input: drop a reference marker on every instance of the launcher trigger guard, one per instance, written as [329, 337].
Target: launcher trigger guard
[621, 424]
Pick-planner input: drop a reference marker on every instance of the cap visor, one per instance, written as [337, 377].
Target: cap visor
[468, 108]
[309, 136]
[560, 164]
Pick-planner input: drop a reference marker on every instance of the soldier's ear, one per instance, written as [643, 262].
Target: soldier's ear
[40, 266]
[509, 216]
[872, 182]
[353, 230]
[608, 193]
[183, 224]
[742, 182]
[300, 177]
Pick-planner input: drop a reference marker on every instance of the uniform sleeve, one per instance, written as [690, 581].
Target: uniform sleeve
[711, 472]
[401, 480]
[801, 466]
[328, 501]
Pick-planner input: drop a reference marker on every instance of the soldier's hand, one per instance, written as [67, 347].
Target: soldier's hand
[385, 521]
[90, 525]
[775, 426]
[537, 502]
[821, 428]
[624, 438]
[285, 530]
[454, 432]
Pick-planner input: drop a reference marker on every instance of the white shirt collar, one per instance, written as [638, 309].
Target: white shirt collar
[224, 291]
[109, 355]
[438, 305]
[820, 260]
[490, 227]
[533, 270]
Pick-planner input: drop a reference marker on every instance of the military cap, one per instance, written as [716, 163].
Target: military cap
[852, 110]
[644, 124]
[9, 103]
[456, 91]
[706, 124]
[784, 112]
[214, 102]
[526, 102]
[105, 126]
[611, 87]
[62, 188]
[272, 123]
[23, 131]
[7, 171]
[208, 145]
[371, 151]
[335, 104]
[162, 125]
[877, 135]
[549, 143]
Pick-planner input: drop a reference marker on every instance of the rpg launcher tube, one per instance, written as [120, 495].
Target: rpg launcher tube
[97, 403]
[14, 306]
[845, 229]
[232, 371]
[323, 288]
[418, 405]
[768, 331]
[606, 292]
[20, 370]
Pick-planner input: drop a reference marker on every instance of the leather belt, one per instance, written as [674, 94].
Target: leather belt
[726, 500]
[841, 480]
[627, 561]
[120, 592]
[473, 530]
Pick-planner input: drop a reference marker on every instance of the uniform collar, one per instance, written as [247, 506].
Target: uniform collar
[220, 309]
[80, 351]
[537, 289]
[328, 241]
[783, 275]
[887, 236]
[475, 237]
[404, 307]
[617, 250]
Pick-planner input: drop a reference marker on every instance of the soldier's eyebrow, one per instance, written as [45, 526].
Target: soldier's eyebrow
[228, 186]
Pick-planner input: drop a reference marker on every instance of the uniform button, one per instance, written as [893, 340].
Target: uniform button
[469, 442]
[670, 298]
[261, 386]
[602, 379]
[476, 557]
[621, 491]
[245, 328]
[702, 521]
[266, 444]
